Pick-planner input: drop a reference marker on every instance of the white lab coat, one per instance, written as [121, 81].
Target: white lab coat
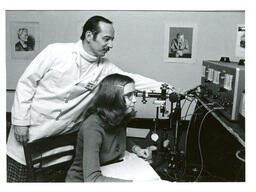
[52, 93]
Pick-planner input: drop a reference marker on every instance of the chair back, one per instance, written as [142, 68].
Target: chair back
[48, 159]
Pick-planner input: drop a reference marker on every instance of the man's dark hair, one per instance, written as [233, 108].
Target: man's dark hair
[179, 34]
[92, 25]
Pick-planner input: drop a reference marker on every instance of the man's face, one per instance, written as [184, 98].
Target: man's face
[181, 38]
[24, 35]
[104, 40]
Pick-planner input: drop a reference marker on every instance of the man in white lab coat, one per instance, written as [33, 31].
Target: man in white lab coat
[57, 86]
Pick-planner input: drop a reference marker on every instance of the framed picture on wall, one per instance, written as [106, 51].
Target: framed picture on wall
[240, 41]
[24, 40]
[180, 42]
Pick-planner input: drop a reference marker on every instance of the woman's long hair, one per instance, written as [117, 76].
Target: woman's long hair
[109, 102]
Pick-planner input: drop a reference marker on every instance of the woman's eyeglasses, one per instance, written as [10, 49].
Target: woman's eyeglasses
[130, 95]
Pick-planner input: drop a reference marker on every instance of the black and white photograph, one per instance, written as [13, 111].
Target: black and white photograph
[180, 42]
[24, 39]
[128, 96]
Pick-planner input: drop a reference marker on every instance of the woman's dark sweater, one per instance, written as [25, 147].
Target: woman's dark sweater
[96, 147]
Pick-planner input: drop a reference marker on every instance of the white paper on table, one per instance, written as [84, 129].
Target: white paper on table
[131, 168]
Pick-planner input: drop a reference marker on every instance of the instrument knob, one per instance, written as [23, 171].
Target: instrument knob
[221, 89]
[215, 96]
[227, 104]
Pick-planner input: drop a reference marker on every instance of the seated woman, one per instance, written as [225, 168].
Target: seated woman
[102, 136]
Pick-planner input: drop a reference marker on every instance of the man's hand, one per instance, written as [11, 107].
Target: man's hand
[179, 53]
[21, 133]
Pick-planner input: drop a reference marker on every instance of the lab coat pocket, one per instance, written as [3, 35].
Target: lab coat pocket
[77, 90]
[42, 114]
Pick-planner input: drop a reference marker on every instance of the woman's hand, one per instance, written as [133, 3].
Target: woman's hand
[144, 153]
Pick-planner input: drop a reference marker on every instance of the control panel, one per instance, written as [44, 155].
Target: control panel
[223, 83]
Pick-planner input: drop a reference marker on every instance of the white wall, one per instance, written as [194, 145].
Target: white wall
[139, 42]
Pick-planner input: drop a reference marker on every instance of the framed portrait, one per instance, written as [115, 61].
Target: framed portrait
[240, 41]
[24, 40]
[180, 41]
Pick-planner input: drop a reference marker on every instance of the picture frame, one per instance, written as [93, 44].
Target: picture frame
[180, 42]
[25, 39]
[240, 41]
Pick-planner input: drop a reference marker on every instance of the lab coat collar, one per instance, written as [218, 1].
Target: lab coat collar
[86, 55]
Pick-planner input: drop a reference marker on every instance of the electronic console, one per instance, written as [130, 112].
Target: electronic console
[223, 84]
